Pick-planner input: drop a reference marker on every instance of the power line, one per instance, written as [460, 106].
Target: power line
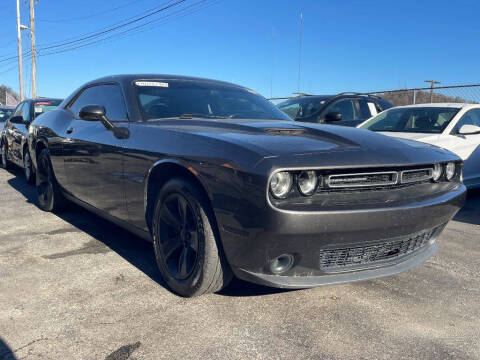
[135, 30]
[96, 14]
[96, 33]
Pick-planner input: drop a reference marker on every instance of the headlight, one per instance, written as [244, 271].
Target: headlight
[281, 184]
[307, 182]
[437, 172]
[450, 171]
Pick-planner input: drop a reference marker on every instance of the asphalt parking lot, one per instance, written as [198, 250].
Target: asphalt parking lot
[77, 287]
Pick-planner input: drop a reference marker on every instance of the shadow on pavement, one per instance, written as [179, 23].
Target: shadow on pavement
[470, 213]
[5, 352]
[132, 248]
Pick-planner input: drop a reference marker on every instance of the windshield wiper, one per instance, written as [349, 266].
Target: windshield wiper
[204, 116]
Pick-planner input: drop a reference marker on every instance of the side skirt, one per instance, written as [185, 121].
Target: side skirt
[122, 223]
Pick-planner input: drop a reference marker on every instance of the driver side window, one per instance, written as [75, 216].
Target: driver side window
[108, 95]
[346, 108]
[471, 117]
[18, 110]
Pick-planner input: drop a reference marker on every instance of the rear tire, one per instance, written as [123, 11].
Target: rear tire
[4, 163]
[50, 197]
[27, 167]
[187, 250]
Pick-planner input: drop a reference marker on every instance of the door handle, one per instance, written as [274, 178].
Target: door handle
[69, 131]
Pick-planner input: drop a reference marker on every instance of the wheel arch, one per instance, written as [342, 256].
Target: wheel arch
[161, 172]
[39, 145]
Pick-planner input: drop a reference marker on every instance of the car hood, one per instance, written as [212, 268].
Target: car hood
[296, 140]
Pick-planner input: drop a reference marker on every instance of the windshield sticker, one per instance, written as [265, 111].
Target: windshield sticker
[43, 103]
[38, 109]
[151, 83]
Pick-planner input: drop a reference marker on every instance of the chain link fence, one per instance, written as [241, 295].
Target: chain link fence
[440, 94]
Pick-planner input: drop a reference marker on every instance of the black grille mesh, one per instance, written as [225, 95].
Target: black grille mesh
[363, 255]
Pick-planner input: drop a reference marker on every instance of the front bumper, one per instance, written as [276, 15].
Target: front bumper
[251, 243]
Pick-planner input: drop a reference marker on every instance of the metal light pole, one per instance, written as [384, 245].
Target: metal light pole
[20, 60]
[34, 53]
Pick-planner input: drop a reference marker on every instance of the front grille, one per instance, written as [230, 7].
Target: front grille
[362, 179]
[337, 259]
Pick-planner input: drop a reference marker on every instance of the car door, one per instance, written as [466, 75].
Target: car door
[348, 109]
[465, 146]
[93, 155]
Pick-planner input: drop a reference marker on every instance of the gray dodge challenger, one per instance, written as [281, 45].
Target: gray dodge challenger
[223, 183]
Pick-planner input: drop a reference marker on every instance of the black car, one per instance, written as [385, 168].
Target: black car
[223, 182]
[348, 109]
[14, 137]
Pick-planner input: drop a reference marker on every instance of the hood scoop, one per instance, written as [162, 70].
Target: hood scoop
[285, 132]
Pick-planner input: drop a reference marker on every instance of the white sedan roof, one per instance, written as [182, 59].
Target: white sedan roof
[452, 105]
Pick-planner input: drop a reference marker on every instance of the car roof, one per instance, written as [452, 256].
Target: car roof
[127, 78]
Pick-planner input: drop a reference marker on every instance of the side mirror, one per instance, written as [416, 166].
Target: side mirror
[333, 116]
[17, 119]
[469, 130]
[92, 113]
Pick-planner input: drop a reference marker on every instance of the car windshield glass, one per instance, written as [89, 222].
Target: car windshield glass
[5, 114]
[43, 106]
[304, 107]
[412, 119]
[185, 99]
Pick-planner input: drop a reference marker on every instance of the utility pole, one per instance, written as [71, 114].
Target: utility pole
[432, 83]
[34, 52]
[300, 52]
[19, 43]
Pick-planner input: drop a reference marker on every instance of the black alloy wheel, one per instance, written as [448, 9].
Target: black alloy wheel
[179, 236]
[50, 197]
[187, 247]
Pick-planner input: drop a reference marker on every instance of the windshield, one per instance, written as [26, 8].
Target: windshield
[44, 106]
[412, 119]
[304, 107]
[5, 114]
[162, 99]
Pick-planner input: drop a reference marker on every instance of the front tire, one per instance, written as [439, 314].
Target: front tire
[50, 197]
[4, 163]
[187, 250]
[27, 167]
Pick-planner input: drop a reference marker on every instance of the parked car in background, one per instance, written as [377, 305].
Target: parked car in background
[14, 138]
[222, 181]
[455, 127]
[348, 109]
[5, 113]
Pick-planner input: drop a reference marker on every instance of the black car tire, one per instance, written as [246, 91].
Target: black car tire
[5, 164]
[187, 249]
[27, 167]
[49, 195]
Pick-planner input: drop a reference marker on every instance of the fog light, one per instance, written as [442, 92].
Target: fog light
[450, 171]
[437, 172]
[281, 264]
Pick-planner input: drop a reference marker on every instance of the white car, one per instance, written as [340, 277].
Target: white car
[455, 127]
